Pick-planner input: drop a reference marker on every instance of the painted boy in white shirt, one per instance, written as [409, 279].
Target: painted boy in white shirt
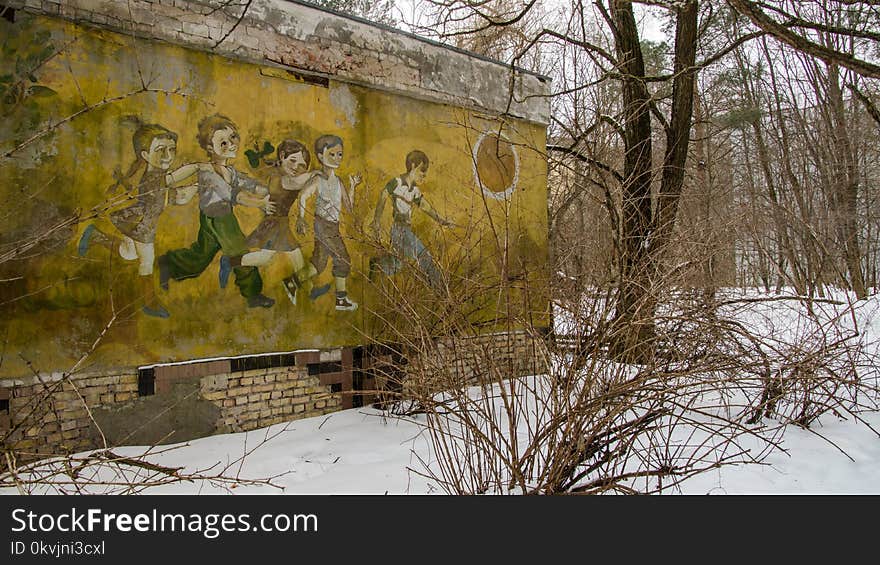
[405, 195]
[330, 198]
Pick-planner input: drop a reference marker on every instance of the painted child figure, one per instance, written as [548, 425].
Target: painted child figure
[221, 186]
[155, 147]
[405, 195]
[330, 198]
[273, 235]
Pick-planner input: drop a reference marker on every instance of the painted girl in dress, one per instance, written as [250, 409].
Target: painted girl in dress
[155, 148]
[290, 175]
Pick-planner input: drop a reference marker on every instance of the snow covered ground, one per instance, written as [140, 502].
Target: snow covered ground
[360, 452]
[364, 451]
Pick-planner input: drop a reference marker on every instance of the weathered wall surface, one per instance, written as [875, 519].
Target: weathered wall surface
[298, 36]
[451, 363]
[139, 141]
[59, 414]
[92, 211]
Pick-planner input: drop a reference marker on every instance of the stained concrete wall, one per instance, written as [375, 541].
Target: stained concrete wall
[298, 36]
[76, 330]
[77, 98]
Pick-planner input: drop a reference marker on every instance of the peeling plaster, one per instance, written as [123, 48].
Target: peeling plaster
[342, 99]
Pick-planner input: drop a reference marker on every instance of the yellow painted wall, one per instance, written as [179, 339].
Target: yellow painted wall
[66, 92]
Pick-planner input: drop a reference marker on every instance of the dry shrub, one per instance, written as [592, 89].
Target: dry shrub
[527, 412]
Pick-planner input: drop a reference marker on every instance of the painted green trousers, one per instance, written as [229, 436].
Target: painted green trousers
[222, 232]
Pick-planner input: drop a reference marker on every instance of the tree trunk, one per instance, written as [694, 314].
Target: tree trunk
[633, 324]
[845, 185]
[645, 238]
[679, 130]
[704, 186]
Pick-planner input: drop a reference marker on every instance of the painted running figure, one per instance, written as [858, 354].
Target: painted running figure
[330, 198]
[221, 186]
[404, 193]
[155, 148]
[273, 235]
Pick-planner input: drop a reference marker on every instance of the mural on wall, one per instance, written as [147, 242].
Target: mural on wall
[220, 187]
[404, 193]
[155, 148]
[141, 179]
[329, 199]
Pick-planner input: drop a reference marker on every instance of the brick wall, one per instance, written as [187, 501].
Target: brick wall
[51, 415]
[392, 372]
[66, 414]
[61, 414]
[474, 359]
[263, 397]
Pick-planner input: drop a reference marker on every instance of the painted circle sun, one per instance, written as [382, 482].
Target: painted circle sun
[496, 165]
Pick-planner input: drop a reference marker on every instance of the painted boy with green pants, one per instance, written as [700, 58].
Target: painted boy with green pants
[220, 186]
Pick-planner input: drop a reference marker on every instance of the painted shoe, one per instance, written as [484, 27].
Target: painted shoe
[225, 270]
[290, 288]
[157, 312]
[83, 246]
[260, 301]
[319, 292]
[343, 303]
